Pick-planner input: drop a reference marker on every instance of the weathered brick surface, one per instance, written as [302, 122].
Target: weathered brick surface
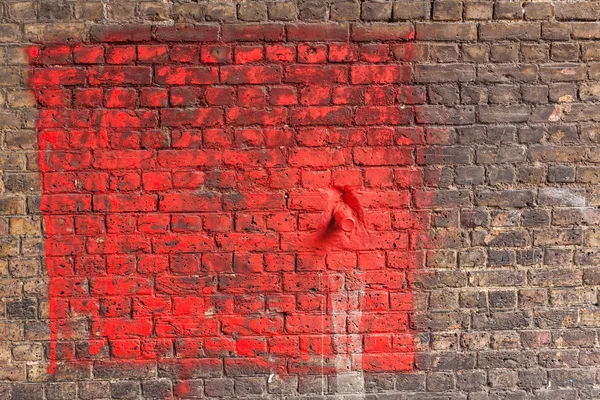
[184, 167]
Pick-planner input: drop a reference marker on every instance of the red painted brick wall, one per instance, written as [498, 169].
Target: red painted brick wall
[503, 174]
[190, 185]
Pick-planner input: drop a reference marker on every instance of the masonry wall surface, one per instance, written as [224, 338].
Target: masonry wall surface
[175, 178]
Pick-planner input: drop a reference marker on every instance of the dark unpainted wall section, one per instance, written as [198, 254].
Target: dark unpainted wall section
[322, 199]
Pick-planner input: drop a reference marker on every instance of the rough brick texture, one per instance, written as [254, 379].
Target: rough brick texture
[206, 208]
[174, 200]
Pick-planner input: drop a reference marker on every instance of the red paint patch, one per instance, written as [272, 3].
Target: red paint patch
[186, 222]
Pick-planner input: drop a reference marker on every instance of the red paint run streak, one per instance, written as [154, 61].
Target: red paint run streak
[189, 192]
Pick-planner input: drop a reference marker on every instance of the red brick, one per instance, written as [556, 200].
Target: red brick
[375, 53]
[253, 33]
[206, 117]
[220, 96]
[152, 53]
[88, 54]
[54, 55]
[246, 158]
[186, 96]
[124, 202]
[65, 203]
[317, 32]
[189, 158]
[312, 53]
[186, 138]
[253, 116]
[384, 116]
[216, 54]
[252, 97]
[315, 74]
[283, 96]
[63, 76]
[127, 119]
[154, 97]
[368, 74]
[343, 52]
[120, 98]
[280, 53]
[185, 53]
[55, 98]
[181, 243]
[179, 75]
[250, 75]
[248, 54]
[184, 33]
[111, 75]
[321, 116]
[121, 33]
[185, 202]
[383, 156]
[318, 157]
[88, 97]
[121, 54]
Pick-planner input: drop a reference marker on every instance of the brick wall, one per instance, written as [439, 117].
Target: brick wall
[318, 199]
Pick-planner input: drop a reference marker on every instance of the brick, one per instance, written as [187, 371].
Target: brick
[372, 11]
[508, 10]
[383, 115]
[478, 11]
[312, 10]
[411, 10]
[502, 320]
[186, 75]
[381, 32]
[345, 11]
[250, 74]
[120, 33]
[490, 114]
[555, 278]
[157, 389]
[446, 31]
[179, 33]
[241, 116]
[534, 52]
[317, 32]
[505, 74]
[444, 73]
[444, 155]
[220, 11]
[583, 11]
[562, 72]
[556, 196]
[447, 10]
[509, 31]
[445, 115]
[320, 116]
[120, 75]
[382, 156]
[506, 198]
[284, 11]
[555, 153]
[252, 12]
[506, 155]
[54, 32]
[92, 11]
[378, 74]
[556, 31]
[266, 32]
